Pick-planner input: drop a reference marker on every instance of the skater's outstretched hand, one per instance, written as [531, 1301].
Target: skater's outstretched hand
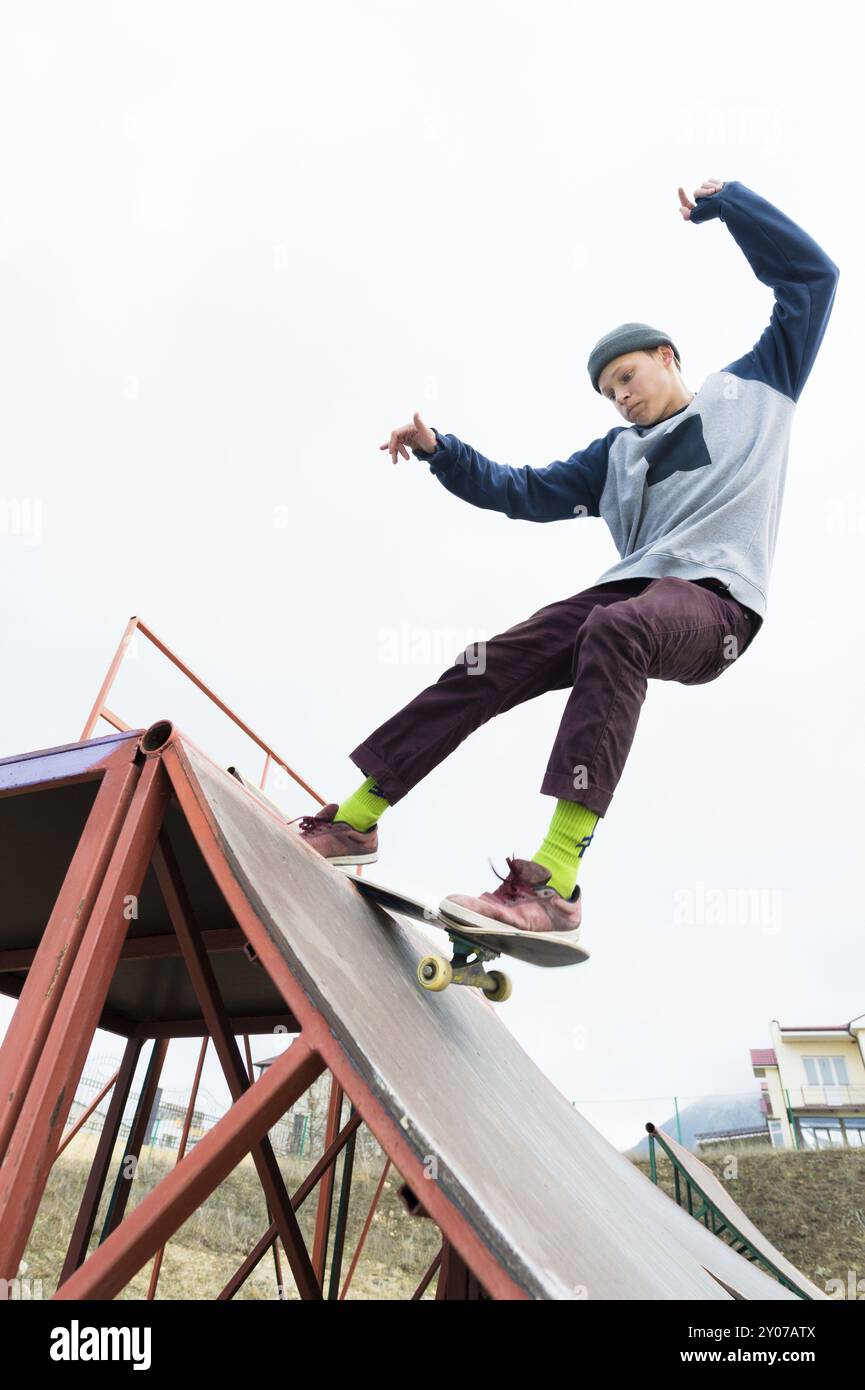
[417, 435]
[704, 191]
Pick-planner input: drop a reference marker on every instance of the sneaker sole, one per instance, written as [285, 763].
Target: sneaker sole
[488, 926]
[340, 859]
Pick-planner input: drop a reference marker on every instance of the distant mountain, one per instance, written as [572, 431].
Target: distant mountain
[713, 1113]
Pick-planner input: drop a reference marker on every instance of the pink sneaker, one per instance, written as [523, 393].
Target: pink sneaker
[521, 903]
[336, 840]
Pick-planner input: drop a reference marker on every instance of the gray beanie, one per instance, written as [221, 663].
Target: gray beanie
[628, 337]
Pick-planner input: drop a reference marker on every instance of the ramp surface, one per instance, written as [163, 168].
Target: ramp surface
[563, 1212]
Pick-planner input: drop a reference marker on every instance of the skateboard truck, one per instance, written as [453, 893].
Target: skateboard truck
[467, 968]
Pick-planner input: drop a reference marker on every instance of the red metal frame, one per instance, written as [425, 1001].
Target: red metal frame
[64, 1000]
[92, 1195]
[38, 1127]
[51, 967]
[181, 1150]
[164, 1210]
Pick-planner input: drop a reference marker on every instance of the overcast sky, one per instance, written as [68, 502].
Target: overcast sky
[240, 244]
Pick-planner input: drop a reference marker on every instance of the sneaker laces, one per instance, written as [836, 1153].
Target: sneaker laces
[308, 823]
[511, 886]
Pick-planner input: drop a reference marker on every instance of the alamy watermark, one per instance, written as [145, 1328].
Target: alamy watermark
[705, 905]
[413, 644]
[22, 517]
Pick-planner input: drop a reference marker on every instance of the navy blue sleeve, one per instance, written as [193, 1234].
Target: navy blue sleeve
[797, 269]
[565, 488]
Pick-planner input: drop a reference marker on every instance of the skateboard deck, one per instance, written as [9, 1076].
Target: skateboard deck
[471, 952]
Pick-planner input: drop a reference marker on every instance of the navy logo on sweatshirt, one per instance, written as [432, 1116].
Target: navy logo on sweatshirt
[678, 451]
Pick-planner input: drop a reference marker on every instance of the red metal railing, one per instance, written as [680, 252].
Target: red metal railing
[101, 711]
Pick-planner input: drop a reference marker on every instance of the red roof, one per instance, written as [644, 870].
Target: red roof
[763, 1057]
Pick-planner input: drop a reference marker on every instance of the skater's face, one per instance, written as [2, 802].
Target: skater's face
[644, 387]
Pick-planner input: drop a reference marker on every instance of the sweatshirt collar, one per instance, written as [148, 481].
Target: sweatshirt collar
[641, 429]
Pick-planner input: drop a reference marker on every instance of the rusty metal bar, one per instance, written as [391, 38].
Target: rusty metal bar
[33, 1142]
[115, 721]
[98, 710]
[425, 1281]
[82, 1119]
[135, 1139]
[86, 1219]
[342, 1215]
[142, 947]
[110, 677]
[456, 1281]
[325, 1191]
[207, 992]
[366, 1225]
[181, 1150]
[49, 973]
[250, 1070]
[164, 1210]
[260, 1248]
[196, 1028]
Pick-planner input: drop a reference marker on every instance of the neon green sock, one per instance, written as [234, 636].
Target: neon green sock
[363, 808]
[570, 833]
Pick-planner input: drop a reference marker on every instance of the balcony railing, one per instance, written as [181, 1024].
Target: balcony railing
[827, 1097]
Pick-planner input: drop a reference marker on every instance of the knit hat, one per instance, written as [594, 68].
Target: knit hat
[628, 337]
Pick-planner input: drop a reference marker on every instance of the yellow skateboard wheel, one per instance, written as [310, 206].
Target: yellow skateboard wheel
[502, 990]
[434, 973]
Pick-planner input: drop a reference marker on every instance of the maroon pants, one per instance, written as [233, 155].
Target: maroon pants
[604, 644]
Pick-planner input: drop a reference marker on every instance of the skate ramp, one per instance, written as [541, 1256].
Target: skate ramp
[562, 1210]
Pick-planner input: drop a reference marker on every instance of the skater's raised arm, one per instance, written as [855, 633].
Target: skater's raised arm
[797, 269]
[565, 488]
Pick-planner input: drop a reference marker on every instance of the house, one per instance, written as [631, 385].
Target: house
[754, 1136]
[813, 1084]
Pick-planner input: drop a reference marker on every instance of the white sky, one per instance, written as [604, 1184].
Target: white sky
[240, 243]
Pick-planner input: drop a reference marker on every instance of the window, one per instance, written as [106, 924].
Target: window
[817, 1132]
[826, 1071]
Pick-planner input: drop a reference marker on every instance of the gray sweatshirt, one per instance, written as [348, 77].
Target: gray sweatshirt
[696, 495]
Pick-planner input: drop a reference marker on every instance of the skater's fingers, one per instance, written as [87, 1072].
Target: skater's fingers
[396, 445]
[392, 445]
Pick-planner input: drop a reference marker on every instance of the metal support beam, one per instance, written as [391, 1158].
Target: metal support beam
[181, 1150]
[325, 1191]
[308, 1185]
[164, 1210]
[206, 990]
[127, 1171]
[48, 971]
[86, 1219]
[342, 1214]
[33, 1143]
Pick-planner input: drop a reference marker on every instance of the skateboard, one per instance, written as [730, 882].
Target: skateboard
[471, 953]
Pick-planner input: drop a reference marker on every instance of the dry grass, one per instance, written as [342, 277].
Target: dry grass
[205, 1252]
[810, 1205]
